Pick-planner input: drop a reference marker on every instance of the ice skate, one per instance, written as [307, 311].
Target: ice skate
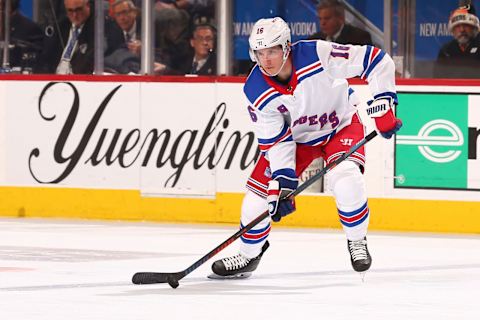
[237, 266]
[359, 256]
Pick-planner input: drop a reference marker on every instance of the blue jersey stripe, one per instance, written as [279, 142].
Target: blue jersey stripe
[392, 95]
[305, 76]
[255, 85]
[322, 138]
[374, 63]
[274, 139]
[287, 172]
[265, 102]
[366, 58]
[304, 54]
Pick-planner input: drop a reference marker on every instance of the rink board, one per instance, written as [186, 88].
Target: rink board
[181, 150]
[312, 211]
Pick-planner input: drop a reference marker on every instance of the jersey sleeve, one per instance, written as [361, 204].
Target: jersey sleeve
[274, 135]
[367, 62]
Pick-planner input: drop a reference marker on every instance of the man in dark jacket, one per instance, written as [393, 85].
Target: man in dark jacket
[70, 48]
[203, 60]
[460, 58]
[126, 16]
[331, 14]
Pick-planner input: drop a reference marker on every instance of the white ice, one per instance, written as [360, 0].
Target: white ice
[58, 270]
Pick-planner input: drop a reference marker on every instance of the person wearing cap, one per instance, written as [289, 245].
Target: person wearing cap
[460, 58]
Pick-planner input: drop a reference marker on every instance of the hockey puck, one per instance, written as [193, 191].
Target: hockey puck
[172, 282]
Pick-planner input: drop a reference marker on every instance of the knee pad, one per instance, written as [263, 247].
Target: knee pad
[347, 185]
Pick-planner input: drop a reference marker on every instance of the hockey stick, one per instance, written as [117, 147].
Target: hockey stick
[172, 278]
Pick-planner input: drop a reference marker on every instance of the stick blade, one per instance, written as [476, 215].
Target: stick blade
[151, 277]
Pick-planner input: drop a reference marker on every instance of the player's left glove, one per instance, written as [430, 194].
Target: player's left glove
[278, 188]
[381, 111]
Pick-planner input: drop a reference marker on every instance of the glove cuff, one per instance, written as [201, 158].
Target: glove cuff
[286, 178]
[378, 108]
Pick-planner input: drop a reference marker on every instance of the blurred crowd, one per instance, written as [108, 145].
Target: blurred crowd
[62, 40]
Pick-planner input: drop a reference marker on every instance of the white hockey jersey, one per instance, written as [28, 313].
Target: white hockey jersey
[318, 101]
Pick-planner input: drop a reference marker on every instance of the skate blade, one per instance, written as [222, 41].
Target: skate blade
[238, 276]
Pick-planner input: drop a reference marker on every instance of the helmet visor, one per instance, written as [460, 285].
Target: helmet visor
[270, 54]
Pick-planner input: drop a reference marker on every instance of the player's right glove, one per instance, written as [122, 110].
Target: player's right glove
[381, 111]
[279, 188]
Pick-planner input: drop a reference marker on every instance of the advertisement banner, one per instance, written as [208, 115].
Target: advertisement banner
[164, 139]
[193, 139]
[71, 134]
[433, 148]
[196, 143]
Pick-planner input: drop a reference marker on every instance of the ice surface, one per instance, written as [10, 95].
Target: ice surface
[55, 269]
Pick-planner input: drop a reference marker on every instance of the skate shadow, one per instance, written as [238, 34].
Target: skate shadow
[254, 286]
[202, 287]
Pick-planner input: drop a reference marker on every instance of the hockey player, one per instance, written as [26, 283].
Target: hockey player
[302, 108]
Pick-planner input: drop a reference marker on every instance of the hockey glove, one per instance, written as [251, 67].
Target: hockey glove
[381, 111]
[278, 189]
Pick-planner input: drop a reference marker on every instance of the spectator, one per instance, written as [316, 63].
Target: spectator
[69, 48]
[203, 59]
[331, 15]
[460, 58]
[172, 47]
[137, 4]
[26, 38]
[126, 16]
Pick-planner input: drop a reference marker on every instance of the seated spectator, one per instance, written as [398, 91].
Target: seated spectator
[460, 58]
[127, 18]
[69, 48]
[203, 60]
[26, 38]
[331, 15]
